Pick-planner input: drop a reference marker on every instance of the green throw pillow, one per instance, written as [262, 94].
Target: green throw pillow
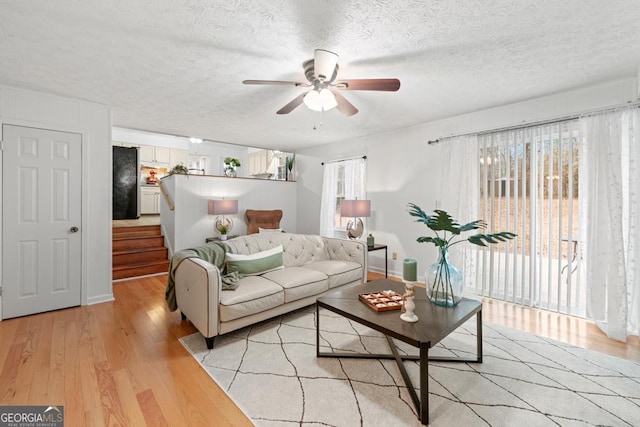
[255, 264]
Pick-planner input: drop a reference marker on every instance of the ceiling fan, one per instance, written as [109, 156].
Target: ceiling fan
[321, 72]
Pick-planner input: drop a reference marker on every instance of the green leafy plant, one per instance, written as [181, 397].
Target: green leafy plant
[289, 162]
[444, 281]
[231, 161]
[179, 169]
[223, 229]
[442, 223]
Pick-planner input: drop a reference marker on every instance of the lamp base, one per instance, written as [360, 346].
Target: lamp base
[221, 221]
[355, 228]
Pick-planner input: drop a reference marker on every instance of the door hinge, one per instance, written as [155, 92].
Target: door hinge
[0, 291]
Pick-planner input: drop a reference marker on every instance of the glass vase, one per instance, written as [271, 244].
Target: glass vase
[230, 171]
[444, 281]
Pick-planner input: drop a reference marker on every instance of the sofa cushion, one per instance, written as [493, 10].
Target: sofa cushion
[269, 230]
[339, 272]
[299, 282]
[254, 264]
[298, 249]
[254, 294]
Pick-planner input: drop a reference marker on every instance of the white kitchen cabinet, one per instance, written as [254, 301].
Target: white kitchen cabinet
[153, 154]
[150, 200]
[259, 162]
[177, 157]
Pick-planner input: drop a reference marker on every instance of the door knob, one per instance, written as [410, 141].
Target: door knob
[73, 229]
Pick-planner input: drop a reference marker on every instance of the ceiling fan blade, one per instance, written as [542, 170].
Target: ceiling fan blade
[272, 82]
[292, 105]
[344, 106]
[390, 85]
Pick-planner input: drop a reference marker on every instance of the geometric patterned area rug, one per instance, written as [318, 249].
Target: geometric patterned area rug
[271, 372]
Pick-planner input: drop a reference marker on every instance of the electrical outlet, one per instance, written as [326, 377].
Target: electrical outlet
[394, 255]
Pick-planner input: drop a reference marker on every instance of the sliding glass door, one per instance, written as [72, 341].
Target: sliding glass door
[529, 185]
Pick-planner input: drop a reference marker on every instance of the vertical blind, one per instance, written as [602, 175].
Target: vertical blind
[529, 185]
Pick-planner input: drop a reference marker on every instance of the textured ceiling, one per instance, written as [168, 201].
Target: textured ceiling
[176, 66]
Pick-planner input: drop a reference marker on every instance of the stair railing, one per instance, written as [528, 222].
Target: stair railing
[165, 195]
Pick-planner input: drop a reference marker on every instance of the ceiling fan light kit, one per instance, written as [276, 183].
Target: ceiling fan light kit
[321, 72]
[321, 100]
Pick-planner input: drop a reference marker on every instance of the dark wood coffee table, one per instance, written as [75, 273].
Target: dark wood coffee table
[434, 324]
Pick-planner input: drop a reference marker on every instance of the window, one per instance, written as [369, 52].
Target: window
[343, 179]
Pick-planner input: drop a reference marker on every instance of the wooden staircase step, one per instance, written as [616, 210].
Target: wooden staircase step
[133, 234]
[137, 256]
[130, 243]
[153, 229]
[141, 269]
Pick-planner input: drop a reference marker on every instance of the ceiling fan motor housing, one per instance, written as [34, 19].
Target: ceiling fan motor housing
[324, 65]
[310, 73]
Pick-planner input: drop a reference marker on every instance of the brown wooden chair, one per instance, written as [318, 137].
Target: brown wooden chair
[257, 219]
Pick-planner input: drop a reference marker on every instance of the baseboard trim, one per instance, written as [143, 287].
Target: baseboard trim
[139, 277]
[100, 299]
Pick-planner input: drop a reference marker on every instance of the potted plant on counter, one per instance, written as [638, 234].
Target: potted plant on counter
[179, 169]
[289, 164]
[231, 164]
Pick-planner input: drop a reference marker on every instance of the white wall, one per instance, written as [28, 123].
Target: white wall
[190, 224]
[402, 167]
[93, 122]
[138, 137]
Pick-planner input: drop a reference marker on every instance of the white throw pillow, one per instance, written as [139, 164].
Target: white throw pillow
[255, 264]
[269, 230]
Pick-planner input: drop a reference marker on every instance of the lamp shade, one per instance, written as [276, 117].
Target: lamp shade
[223, 207]
[355, 208]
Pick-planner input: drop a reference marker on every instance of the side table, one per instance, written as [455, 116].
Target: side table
[218, 239]
[377, 247]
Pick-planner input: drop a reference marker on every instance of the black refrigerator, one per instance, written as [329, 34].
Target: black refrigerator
[125, 183]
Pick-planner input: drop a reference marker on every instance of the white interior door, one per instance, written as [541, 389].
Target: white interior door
[41, 220]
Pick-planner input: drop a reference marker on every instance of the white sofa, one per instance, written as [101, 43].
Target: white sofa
[313, 265]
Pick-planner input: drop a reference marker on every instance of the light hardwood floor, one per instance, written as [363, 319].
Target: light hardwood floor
[120, 363]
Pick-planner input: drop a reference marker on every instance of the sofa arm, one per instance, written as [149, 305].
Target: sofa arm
[349, 250]
[198, 287]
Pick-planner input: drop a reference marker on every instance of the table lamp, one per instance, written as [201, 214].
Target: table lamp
[355, 209]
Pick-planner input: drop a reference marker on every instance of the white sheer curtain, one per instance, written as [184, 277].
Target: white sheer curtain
[328, 203]
[458, 195]
[344, 179]
[610, 181]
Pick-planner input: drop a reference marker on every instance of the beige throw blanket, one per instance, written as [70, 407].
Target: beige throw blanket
[214, 253]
